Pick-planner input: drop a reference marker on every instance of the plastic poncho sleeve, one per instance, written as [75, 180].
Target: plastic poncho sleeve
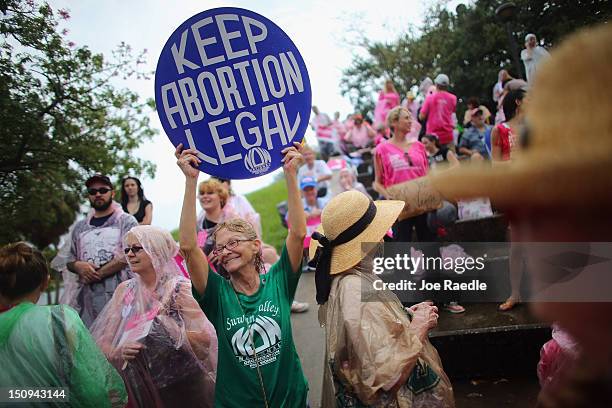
[94, 381]
[200, 331]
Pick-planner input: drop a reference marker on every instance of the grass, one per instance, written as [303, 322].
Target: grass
[264, 201]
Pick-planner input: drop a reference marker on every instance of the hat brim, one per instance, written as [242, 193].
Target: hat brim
[530, 181]
[98, 179]
[347, 255]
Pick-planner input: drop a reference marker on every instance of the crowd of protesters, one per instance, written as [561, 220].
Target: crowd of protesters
[207, 321]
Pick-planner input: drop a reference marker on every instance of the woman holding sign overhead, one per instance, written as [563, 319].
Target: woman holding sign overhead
[258, 363]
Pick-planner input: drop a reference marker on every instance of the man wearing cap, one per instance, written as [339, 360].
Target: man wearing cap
[473, 140]
[95, 253]
[532, 55]
[438, 111]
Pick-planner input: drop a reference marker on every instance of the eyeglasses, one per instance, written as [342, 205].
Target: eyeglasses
[231, 244]
[135, 249]
[101, 190]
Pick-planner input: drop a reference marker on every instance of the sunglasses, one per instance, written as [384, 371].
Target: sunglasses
[230, 245]
[409, 159]
[135, 249]
[101, 190]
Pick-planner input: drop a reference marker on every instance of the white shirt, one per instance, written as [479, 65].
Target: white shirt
[532, 60]
[319, 168]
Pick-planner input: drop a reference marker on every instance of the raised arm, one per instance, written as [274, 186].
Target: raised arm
[296, 217]
[197, 264]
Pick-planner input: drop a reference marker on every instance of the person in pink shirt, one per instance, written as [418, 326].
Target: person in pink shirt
[388, 99]
[438, 110]
[411, 104]
[361, 135]
[323, 127]
[401, 159]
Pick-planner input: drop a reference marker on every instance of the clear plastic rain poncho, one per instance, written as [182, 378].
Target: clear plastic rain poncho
[97, 245]
[369, 344]
[178, 364]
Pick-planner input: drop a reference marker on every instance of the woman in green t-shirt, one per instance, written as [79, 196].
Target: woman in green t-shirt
[258, 365]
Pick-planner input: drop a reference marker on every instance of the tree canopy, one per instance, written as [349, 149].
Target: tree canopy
[63, 116]
[470, 45]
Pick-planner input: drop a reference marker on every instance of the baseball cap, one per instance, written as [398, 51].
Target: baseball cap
[98, 177]
[442, 79]
[307, 182]
[476, 111]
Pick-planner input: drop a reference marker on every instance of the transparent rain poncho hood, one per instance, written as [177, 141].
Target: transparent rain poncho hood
[178, 362]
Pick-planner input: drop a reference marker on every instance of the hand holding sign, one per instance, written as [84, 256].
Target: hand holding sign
[292, 159]
[187, 161]
[231, 85]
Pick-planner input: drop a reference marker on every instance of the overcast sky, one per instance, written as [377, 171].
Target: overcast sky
[320, 29]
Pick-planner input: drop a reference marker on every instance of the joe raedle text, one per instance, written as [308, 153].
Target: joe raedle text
[424, 285]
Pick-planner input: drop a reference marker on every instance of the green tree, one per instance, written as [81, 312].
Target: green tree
[470, 45]
[63, 116]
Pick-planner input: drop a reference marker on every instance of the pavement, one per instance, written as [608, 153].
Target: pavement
[309, 338]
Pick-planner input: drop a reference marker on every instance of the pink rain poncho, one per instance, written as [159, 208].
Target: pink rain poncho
[178, 363]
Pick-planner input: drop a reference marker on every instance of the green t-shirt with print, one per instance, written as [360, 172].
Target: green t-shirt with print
[268, 312]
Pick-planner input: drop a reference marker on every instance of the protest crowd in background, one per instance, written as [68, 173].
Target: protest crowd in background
[151, 321]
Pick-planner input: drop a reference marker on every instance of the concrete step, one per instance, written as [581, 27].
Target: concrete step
[483, 342]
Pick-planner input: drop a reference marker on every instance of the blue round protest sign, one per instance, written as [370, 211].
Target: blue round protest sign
[231, 84]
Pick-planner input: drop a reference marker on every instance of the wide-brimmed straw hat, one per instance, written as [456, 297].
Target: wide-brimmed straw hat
[342, 212]
[566, 160]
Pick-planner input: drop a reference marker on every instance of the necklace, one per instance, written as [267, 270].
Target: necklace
[250, 331]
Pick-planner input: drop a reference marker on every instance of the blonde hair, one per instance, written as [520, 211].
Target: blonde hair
[389, 84]
[245, 228]
[215, 186]
[394, 115]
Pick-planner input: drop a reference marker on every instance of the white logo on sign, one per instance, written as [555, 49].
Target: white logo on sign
[257, 160]
[268, 331]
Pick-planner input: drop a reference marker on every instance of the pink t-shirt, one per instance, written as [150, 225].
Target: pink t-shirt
[439, 108]
[386, 102]
[398, 165]
[358, 135]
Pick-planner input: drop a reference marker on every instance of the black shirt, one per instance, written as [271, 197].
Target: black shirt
[139, 215]
[439, 157]
[210, 226]
[98, 222]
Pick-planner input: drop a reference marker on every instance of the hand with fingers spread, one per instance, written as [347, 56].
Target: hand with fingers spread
[188, 161]
[424, 318]
[292, 158]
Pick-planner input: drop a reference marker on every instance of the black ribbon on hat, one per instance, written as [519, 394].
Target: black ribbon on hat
[323, 256]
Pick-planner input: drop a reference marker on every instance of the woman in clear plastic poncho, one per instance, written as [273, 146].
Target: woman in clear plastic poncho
[48, 346]
[153, 330]
[377, 353]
